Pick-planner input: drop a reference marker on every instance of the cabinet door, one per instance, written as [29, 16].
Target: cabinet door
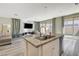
[56, 47]
[51, 48]
[32, 50]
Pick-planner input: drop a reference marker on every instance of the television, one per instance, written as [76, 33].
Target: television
[28, 25]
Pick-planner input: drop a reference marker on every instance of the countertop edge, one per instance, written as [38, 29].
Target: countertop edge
[42, 43]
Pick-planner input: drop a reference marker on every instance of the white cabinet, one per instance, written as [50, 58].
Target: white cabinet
[33, 51]
[51, 48]
[48, 49]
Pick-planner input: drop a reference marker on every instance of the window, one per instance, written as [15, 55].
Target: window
[76, 27]
[68, 26]
[71, 26]
[46, 28]
[42, 28]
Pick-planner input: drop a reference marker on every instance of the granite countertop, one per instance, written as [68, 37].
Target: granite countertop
[36, 42]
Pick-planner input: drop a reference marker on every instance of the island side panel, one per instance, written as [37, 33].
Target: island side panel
[32, 50]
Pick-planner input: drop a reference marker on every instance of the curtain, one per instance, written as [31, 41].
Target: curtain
[15, 27]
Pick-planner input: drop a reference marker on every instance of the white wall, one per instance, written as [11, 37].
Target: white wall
[22, 30]
[58, 25]
[4, 20]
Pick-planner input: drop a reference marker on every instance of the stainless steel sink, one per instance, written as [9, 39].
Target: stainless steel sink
[41, 38]
[44, 37]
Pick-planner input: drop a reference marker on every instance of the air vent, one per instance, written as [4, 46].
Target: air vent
[76, 3]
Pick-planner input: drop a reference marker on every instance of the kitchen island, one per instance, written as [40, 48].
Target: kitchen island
[49, 47]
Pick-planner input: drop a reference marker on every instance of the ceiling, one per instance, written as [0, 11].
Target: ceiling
[37, 11]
